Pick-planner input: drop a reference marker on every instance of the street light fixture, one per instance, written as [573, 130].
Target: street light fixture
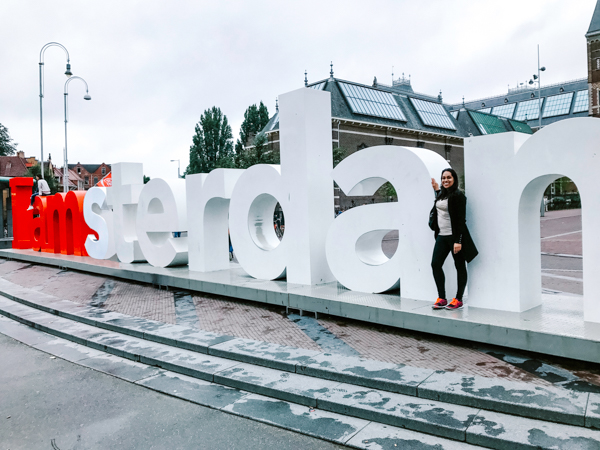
[68, 73]
[85, 97]
[539, 83]
[178, 167]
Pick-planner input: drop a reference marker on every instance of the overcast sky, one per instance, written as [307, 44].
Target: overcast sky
[153, 67]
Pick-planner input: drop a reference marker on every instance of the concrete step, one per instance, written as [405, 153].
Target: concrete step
[338, 412]
[350, 431]
[544, 403]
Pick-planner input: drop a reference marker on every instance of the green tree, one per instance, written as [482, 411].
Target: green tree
[6, 145]
[339, 153]
[255, 119]
[146, 179]
[212, 144]
[258, 153]
[33, 171]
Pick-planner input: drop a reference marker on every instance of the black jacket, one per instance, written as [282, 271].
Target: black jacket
[457, 209]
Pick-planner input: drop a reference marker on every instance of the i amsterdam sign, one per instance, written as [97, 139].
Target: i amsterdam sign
[506, 175]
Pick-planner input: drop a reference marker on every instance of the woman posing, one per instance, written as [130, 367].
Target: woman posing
[448, 221]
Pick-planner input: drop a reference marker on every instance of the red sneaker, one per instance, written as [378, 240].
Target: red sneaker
[455, 304]
[440, 303]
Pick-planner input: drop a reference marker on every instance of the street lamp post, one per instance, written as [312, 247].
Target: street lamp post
[85, 97]
[67, 73]
[178, 167]
[539, 82]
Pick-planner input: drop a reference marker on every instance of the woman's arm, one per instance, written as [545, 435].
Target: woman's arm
[457, 207]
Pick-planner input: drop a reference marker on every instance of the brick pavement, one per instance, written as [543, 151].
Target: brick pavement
[257, 322]
[142, 301]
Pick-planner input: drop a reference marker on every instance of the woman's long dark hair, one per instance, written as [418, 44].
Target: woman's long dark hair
[445, 193]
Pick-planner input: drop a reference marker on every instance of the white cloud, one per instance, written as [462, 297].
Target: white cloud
[153, 67]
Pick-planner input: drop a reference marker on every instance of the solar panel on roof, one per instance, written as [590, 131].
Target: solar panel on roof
[487, 123]
[433, 114]
[558, 105]
[371, 102]
[528, 110]
[504, 110]
[318, 87]
[582, 101]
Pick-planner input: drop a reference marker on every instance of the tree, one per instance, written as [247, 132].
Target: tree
[339, 153]
[255, 119]
[258, 153]
[6, 145]
[33, 171]
[146, 179]
[212, 144]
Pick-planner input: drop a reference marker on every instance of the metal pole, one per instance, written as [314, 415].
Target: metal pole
[67, 73]
[66, 169]
[539, 90]
[41, 120]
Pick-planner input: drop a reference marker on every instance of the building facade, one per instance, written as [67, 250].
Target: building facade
[90, 173]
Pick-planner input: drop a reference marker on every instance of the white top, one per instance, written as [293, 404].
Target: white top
[43, 188]
[443, 217]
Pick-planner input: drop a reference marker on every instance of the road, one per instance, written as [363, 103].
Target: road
[49, 403]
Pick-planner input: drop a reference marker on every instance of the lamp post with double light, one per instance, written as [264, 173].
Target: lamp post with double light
[67, 73]
[85, 97]
[539, 83]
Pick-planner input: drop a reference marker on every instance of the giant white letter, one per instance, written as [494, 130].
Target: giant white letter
[161, 212]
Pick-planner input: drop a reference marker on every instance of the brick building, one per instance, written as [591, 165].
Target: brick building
[90, 173]
[378, 114]
[593, 54]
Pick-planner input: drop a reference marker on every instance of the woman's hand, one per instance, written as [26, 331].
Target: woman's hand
[435, 185]
[457, 248]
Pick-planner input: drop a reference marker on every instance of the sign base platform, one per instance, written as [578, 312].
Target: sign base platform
[554, 328]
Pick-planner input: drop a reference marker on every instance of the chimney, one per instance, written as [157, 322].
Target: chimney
[21, 154]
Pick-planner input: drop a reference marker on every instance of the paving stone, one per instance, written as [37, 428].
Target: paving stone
[120, 367]
[23, 333]
[376, 436]
[391, 377]
[503, 431]
[197, 391]
[399, 410]
[274, 383]
[546, 403]
[592, 414]
[182, 361]
[263, 353]
[185, 337]
[303, 419]
[67, 350]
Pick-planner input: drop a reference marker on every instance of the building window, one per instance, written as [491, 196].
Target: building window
[95, 181]
[79, 170]
[87, 181]
[598, 64]
[103, 171]
[420, 144]
[389, 140]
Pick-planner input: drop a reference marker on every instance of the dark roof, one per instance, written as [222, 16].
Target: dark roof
[526, 94]
[91, 168]
[12, 166]
[477, 123]
[595, 23]
[340, 109]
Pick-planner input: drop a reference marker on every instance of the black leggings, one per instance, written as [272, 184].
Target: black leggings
[443, 246]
